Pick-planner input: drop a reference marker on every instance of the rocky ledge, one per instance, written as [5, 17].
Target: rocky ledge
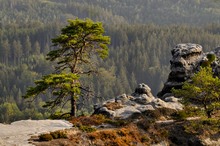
[136, 104]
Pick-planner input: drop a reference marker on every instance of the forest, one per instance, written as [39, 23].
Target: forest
[142, 34]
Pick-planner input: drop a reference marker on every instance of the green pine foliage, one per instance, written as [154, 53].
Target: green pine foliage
[203, 91]
[78, 42]
[60, 85]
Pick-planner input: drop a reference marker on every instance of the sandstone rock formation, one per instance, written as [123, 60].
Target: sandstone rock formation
[186, 60]
[141, 101]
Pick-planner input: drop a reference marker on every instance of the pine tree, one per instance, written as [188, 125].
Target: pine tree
[74, 49]
[204, 91]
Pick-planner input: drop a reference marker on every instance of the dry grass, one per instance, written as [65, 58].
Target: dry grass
[89, 121]
[113, 106]
[126, 136]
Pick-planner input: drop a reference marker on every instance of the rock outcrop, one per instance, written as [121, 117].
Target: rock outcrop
[186, 60]
[141, 101]
[18, 133]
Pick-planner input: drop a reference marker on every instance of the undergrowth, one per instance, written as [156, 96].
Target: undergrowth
[52, 135]
[205, 127]
[85, 122]
[188, 112]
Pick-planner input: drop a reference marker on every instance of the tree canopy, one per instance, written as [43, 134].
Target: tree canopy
[77, 44]
[74, 52]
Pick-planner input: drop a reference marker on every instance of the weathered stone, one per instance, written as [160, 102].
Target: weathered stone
[133, 106]
[211, 142]
[186, 50]
[186, 59]
[144, 108]
[158, 103]
[104, 111]
[142, 94]
[121, 98]
[171, 99]
[126, 112]
[143, 99]
[143, 89]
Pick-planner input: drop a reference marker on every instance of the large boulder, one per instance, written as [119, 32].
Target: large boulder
[186, 60]
[136, 104]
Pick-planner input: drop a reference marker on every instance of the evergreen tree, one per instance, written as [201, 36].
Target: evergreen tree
[27, 46]
[74, 49]
[5, 51]
[17, 52]
[204, 91]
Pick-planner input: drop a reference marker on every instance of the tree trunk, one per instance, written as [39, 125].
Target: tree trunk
[209, 113]
[73, 107]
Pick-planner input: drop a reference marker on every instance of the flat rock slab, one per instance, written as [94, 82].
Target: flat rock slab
[18, 133]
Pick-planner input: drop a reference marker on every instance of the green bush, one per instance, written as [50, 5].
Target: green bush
[206, 126]
[117, 123]
[211, 57]
[85, 128]
[180, 115]
[58, 134]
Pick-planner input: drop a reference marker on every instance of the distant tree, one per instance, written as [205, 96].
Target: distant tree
[75, 50]
[36, 48]
[5, 51]
[17, 51]
[27, 46]
[203, 91]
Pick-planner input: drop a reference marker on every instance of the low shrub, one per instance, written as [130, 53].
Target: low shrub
[85, 128]
[204, 126]
[117, 123]
[90, 120]
[52, 135]
[152, 114]
[45, 137]
[166, 111]
[180, 115]
[145, 124]
[188, 112]
[58, 134]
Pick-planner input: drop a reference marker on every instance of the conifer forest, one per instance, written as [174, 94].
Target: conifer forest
[142, 34]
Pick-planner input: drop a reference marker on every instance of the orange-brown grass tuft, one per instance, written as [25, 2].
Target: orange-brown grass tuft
[128, 135]
[88, 121]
